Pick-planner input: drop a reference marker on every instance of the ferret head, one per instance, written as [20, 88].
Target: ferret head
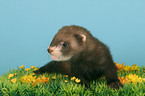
[68, 42]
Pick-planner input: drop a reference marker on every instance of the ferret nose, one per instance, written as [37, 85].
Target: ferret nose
[49, 50]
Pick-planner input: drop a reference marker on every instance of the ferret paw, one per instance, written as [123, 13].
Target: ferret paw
[115, 85]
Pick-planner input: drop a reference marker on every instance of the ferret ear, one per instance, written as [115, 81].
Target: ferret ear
[81, 38]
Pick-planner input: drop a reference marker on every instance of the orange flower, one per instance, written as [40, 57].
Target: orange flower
[33, 84]
[21, 67]
[126, 68]
[123, 80]
[33, 74]
[44, 79]
[130, 78]
[27, 69]
[14, 80]
[38, 80]
[66, 75]
[119, 66]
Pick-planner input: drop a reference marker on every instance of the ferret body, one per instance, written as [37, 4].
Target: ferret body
[77, 53]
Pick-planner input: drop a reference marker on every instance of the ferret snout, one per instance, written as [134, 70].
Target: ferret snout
[50, 50]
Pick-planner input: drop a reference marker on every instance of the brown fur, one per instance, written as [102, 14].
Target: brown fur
[89, 60]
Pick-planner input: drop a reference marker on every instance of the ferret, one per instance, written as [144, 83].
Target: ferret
[77, 53]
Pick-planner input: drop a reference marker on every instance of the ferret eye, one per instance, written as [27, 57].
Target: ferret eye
[64, 45]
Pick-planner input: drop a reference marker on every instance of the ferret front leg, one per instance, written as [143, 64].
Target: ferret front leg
[82, 78]
[112, 79]
[54, 67]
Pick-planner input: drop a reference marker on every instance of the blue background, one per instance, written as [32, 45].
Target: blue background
[28, 26]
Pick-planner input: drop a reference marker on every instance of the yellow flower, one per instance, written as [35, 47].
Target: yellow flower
[127, 68]
[32, 74]
[15, 74]
[10, 76]
[66, 75]
[33, 67]
[134, 67]
[73, 78]
[28, 79]
[130, 78]
[23, 79]
[134, 78]
[131, 68]
[54, 77]
[14, 80]
[32, 79]
[139, 79]
[21, 67]
[77, 80]
[27, 69]
[65, 81]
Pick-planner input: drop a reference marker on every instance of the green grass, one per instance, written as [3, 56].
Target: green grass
[58, 86]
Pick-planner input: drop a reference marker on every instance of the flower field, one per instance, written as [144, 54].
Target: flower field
[23, 82]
